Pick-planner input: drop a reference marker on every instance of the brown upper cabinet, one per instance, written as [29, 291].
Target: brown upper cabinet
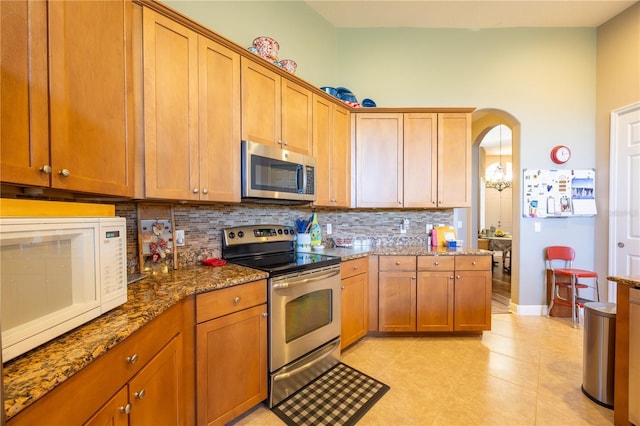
[191, 114]
[331, 148]
[67, 104]
[413, 159]
[275, 111]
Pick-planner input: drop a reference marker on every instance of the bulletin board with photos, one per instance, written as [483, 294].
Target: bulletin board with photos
[558, 193]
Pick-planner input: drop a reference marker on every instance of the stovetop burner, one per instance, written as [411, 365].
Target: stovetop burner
[269, 248]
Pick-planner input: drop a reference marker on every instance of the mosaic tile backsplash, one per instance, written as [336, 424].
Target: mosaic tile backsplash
[203, 225]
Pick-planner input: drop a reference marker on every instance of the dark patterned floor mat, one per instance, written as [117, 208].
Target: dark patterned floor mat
[341, 396]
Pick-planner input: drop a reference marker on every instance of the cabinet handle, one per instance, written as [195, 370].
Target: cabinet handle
[132, 359]
[342, 287]
[64, 172]
[474, 263]
[236, 300]
[205, 191]
[285, 143]
[126, 409]
[451, 277]
[265, 314]
[397, 262]
[195, 190]
[413, 278]
[355, 267]
[458, 277]
[46, 169]
[436, 263]
[279, 142]
[139, 395]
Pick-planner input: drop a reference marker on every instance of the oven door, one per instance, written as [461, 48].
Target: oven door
[304, 313]
[274, 173]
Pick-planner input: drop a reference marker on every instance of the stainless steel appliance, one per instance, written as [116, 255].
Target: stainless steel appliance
[270, 173]
[58, 273]
[303, 304]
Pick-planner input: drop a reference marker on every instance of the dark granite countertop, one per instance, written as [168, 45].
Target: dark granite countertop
[400, 250]
[631, 281]
[33, 374]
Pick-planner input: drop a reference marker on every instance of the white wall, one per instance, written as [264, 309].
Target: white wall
[545, 78]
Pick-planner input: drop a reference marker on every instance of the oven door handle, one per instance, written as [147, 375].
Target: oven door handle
[297, 283]
[285, 375]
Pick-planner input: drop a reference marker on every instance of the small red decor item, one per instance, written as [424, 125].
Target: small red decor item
[214, 262]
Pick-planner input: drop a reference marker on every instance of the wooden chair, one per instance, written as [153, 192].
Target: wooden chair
[564, 256]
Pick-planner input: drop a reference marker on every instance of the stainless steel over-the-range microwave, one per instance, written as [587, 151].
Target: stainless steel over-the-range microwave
[276, 174]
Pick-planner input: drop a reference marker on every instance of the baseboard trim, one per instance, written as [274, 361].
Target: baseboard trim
[528, 310]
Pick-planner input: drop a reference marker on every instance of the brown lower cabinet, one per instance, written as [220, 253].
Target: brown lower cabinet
[231, 345]
[143, 380]
[355, 297]
[434, 293]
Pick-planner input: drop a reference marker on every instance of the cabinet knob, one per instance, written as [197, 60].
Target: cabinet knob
[236, 300]
[397, 262]
[436, 263]
[342, 287]
[285, 143]
[413, 278]
[195, 190]
[139, 395]
[205, 191]
[451, 277]
[458, 277]
[46, 169]
[126, 409]
[265, 315]
[474, 263]
[64, 172]
[132, 359]
[355, 267]
[439, 202]
[279, 142]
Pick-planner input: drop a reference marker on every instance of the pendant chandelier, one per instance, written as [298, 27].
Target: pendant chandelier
[499, 179]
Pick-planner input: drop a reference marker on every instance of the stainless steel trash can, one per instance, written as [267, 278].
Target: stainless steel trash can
[599, 352]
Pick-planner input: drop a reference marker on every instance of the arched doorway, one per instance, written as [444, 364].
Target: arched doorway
[483, 120]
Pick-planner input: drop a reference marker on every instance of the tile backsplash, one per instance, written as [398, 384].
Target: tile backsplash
[203, 225]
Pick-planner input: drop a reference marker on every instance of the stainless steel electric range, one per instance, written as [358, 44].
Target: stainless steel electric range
[303, 303]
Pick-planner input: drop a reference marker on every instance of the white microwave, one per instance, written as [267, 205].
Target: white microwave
[56, 274]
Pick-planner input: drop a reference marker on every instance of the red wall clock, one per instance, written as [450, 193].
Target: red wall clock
[560, 154]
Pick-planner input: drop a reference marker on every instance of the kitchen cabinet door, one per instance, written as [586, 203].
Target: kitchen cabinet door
[170, 109]
[114, 413]
[355, 306]
[454, 160]
[231, 365]
[219, 122]
[91, 102]
[331, 148]
[156, 392]
[379, 158]
[435, 301]
[24, 133]
[420, 160]
[472, 301]
[297, 118]
[397, 301]
[261, 104]
[341, 157]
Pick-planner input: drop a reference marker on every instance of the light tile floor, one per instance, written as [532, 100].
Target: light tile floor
[525, 371]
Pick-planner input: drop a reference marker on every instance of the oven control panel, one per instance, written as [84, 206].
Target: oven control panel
[257, 234]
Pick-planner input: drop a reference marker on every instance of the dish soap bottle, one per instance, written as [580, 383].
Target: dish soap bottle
[315, 231]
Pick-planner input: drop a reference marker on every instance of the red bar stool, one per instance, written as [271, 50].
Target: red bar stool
[574, 280]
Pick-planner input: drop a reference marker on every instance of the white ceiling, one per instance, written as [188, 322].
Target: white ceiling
[471, 14]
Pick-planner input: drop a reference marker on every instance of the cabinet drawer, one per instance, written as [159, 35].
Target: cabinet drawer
[354, 267]
[397, 263]
[436, 263]
[473, 263]
[231, 299]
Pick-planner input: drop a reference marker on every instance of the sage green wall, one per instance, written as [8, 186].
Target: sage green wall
[303, 35]
[545, 77]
